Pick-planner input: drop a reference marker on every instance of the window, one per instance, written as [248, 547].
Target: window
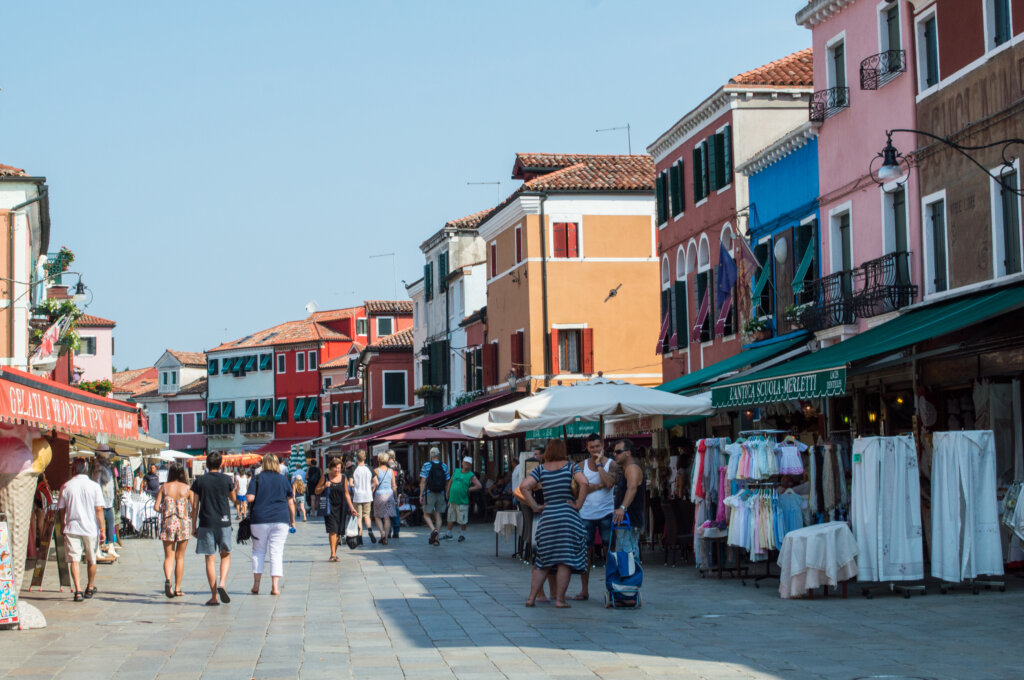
[517, 348]
[300, 409]
[394, 388]
[353, 368]
[565, 236]
[281, 363]
[335, 418]
[300, 362]
[385, 326]
[312, 360]
[281, 411]
[163, 378]
[357, 412]
[998, 28]
[1006, 233]
[311, 407]
[661, 191]
[442, 270]
[362, 326]
[163, 423]
[837, 70]
[494, 260]
[179, 422]
[677, 193]
[569, 351]
[763, 294]
[934, 224]
[328, 381]
[519, 244]
[266, 362]
[87, 346]
[198, 421]
[682, 312]
[890, 33]
[804, 261]
[211, 366]
[345, 409]
[428, 284]
[896, 237]
[927, 52]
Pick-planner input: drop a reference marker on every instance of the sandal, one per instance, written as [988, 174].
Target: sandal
[90, 591]
[167, 588]
[78, 596]
[178, 593]
[332, 558]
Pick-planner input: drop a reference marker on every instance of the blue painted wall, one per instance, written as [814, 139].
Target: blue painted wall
[788, 185]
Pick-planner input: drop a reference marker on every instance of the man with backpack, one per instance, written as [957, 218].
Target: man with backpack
[434, 476]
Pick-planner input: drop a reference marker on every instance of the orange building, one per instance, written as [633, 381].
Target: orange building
[572, 273]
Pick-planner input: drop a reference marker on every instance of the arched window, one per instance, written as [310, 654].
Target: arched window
[681, 269]
[666, 275]
[691, 257]
[704, 254]
[727, 237]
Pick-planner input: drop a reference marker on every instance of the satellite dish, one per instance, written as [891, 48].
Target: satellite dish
[311, 307]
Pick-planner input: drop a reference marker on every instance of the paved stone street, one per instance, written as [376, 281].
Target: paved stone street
[412, 610]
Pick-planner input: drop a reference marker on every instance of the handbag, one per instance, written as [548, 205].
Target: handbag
[244, 530]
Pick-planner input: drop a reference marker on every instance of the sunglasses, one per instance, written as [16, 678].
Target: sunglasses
[619, 451]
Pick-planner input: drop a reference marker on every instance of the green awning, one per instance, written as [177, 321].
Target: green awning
[279, 412]
[227, 409]
[212, 366]
[823, 373]
[250, 362]
[745, 358]
[266, 360]
[311, 403]
[300, 406]
[238, 364]
[250, 409]
[265, 408]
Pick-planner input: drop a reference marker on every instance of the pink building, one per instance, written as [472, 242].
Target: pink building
[176, 407]
[865, 83]
[95, 355]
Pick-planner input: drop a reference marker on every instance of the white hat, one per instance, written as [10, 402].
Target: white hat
[468, 459]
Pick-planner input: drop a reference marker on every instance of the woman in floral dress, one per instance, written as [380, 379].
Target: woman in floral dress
[174, 502]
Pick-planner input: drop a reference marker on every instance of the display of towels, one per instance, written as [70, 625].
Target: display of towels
[965, 540]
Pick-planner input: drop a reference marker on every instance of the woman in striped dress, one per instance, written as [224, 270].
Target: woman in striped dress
[561, 537]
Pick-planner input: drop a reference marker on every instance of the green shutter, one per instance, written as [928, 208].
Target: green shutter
[250, 363]
[697, 195]
[442, 270]
[714, 162]
[311, 408]
[212, 367]
[931, 53]
[428, 280]
[265, 405]
[705, 181]
[300, 406]
[682, 314]
[727, 154]
[659, 192]
[213, 410]
[227, 409]
[280, 411]
[675, 183]
[250, 408]
[682, 185]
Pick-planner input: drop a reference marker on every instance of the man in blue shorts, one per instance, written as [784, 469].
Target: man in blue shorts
[211, 520]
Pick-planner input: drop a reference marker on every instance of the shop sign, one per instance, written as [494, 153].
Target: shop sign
[640, 424]
[46, 409]
[576, 429]
[828, 383]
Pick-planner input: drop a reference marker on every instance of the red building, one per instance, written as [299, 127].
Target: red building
[386, 371]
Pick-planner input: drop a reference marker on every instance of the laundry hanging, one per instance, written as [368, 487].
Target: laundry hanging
[965, 539]
[886, 509]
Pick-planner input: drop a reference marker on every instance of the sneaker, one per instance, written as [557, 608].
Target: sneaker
[446, 537]
[462, 538]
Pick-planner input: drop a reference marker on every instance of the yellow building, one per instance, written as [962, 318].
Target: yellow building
[578, 295]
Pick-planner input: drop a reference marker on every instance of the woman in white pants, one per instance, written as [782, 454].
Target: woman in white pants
[272, 513]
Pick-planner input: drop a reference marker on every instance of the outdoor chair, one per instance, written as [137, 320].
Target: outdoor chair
[678, 537]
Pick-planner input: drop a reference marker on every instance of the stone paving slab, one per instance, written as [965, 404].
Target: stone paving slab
[455, 612]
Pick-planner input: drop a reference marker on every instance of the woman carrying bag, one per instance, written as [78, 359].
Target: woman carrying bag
[385, 491]
[333, 485]
[272, 513]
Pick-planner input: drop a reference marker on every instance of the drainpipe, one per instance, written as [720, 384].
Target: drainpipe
[544, 284]
[11, 216]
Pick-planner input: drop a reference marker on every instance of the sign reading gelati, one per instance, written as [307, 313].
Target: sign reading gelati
[828, 383]
[66, 409]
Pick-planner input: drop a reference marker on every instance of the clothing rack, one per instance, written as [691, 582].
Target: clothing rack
[744, 433]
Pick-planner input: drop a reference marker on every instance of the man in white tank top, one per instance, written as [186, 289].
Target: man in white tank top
[599, 505]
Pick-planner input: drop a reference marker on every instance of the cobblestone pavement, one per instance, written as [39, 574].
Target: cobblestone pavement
[456, 611]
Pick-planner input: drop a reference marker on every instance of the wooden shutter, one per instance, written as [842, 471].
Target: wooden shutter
[469, 370]
[554, 351]
[572, 231]
[682, 314]
[442, 271]
[428, 281]
[714, 162]
[727, 154]
[560, 247]
[682, 185]
[587, 350]
[696, 174]
[675, 185]
[705, 181]
[519, 245]
[516, 349]
[659, 192]
[494, 260]
[490, 369]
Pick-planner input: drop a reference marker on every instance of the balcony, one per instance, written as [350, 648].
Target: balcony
[878, 69]
[827, 103]
[876, 287]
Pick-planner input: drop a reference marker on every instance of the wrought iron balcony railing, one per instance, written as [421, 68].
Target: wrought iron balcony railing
[884, 285]
[879, 69]
[827, 103]
[876, 287]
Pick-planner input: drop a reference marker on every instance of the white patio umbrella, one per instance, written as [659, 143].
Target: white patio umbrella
[597, 398]
[171, 455]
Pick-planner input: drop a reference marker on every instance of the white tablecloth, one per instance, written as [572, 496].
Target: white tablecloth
[136, 508]
[507, 523]
[819, 555]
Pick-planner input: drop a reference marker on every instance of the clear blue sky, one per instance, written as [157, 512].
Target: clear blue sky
[217, 165]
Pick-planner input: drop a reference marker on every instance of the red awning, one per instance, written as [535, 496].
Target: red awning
[45, 404]
[435, 419]
[279, 446]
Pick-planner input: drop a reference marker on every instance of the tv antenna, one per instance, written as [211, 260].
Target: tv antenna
[629, 140]
[498, 184]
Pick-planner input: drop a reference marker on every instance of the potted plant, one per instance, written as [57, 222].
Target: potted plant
[756, 327]
[433, 398]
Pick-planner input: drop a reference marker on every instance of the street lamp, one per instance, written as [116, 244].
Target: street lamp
[894, 165]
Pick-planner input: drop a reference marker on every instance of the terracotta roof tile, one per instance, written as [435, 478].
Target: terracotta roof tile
[90, 321]
[11, 171]
[400, 341]
[336, 362]
[152, 392]
[288, 333]
[334, 314]
[796, 70]
[135, 381]
[599, 173]
[469, 221]
[388, 306]
[189, 358]
[194, 387]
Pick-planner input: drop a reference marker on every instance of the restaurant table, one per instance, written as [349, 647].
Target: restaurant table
[507, 524]
[819, 555]
[137, 508]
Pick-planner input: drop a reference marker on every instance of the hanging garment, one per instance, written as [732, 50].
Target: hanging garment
[790, 462]
[886, 509]
[965, 513]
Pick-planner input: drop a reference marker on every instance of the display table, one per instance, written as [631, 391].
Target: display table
[819, 555]
[137, 508]
[507, 524]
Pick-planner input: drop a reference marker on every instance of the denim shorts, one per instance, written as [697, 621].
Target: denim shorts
[213, 540]
[602, 526]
